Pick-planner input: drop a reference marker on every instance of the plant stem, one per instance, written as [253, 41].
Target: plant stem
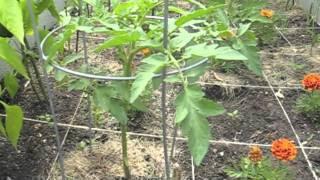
[26, 64]
[124, 126]
[125, 160]
[36, 71]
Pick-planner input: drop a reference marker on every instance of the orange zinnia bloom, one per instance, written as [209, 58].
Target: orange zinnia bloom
[311, 82]
[266, 13]
[145, 51]
[255, 154]
[284, 150]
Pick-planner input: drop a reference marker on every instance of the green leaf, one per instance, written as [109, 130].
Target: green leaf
[197, 14]
[125, 8]
[11, 17]
[92, 29]
[192, 109]
[193, 98]
[177, 10]
[196, 128]
[59, 75]
[71, 58]
[156, 82]
[146, 71]
[42, 5]
[11, 57]
[187, 100]
[201, 50]
[224, 53]
[118, 111]
[222, 17]
[210, 108]
[91, 2]
[251, 52]
[11, 84]
[63, 37]
[54, 11]
[119, 40]
[243, 28]
[181, 40]
[172, 25]
[139, 105]
[13, 125]
[27, 22]
[102, 98]
[121, 88]
[173, 79]
[227, 53]
[47, 46]
[79, 84]
[259, 18]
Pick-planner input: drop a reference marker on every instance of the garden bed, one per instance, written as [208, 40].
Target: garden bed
[254, 116]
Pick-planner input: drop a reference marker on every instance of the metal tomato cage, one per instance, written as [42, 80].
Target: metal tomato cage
[105, 78]
[44, 58]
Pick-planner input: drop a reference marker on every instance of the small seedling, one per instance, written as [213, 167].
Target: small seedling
[45, 117]
[234, 115]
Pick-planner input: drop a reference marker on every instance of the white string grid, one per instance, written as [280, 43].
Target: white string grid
[133, 134]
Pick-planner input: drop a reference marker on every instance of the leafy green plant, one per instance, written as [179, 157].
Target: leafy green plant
[257, 13]
[194, 36]
[15, 23]
[264, 170]
[246, 25]
[309, 103]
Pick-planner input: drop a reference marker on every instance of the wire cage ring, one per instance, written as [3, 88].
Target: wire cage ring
[108, 77]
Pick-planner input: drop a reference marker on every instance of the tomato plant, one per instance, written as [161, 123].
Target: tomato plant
[207, 32]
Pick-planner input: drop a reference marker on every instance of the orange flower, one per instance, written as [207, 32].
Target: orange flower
[283, 149]
[255, 154]
[266, 13]
[146, 51]
[311, 82]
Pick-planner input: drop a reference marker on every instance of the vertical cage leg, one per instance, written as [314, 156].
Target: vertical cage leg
[164, 91]
[86, 61]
